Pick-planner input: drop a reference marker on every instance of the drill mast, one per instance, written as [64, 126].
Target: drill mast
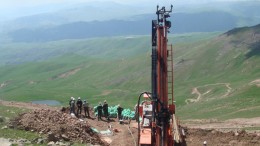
[162, 80]
[159, 126]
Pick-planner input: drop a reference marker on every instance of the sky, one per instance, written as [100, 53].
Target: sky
[20, 3]
[17, 8]
[4, 4]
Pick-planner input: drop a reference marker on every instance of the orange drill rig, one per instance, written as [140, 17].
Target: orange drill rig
[158, 125]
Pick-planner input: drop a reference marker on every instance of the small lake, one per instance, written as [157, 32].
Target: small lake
[48, 102]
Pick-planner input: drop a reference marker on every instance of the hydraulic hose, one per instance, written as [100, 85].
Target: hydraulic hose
[138, 113]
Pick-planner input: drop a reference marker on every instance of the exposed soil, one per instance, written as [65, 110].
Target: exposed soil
[256, 82]
[196, 137]
[66, 74]
[59, 125]
[200, 95]
[223, 133]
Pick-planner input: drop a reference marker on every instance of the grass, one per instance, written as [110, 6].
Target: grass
[118, 69]
[9, 113]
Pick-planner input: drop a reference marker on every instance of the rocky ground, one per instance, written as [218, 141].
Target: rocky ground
[60, 128]
[57, 126]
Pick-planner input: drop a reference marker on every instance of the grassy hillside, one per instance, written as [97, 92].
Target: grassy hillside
[214, 73]
[225, 71]
[99, 68]
[95, 68]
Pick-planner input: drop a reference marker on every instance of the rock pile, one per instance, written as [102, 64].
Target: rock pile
[57, 126]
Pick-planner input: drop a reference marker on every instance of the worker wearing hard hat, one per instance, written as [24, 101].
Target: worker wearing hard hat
[99, 109]
[136, 112]
[79, 106]
[105, 109]
[119, 112]
[72, 105]
[86, 108]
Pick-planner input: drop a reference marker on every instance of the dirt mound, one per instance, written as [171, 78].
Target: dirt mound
[196, 137]
[57, 125]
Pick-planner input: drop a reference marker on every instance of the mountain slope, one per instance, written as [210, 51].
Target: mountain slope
[221, 76]
[215, 76]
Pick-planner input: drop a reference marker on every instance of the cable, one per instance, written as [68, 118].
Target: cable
[138, 113]
[128, 127]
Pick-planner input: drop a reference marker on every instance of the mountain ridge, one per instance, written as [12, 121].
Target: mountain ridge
[182, 23]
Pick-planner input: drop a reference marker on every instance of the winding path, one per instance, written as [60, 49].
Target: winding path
[196, 91]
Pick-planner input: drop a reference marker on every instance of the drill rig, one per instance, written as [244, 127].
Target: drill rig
[159, 126]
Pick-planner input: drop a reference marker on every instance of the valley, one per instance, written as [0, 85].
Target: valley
[53, 52]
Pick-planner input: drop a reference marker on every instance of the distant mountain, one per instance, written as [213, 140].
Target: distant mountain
[80, 30]
[139, 25]
[63, 14]
[101, 19]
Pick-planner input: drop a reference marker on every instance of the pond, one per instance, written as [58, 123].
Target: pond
[48, 102]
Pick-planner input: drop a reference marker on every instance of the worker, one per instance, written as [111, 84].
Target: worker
[72, 105]
[105, 109]
[79, 105]
[71, 98]
[119, 112]
[99, 109]
[86, 108]
[136, 112]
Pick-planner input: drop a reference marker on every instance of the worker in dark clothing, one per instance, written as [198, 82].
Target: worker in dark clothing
[105, 109]
[79, 105]
[71, 98]
[72, 105]
[86, 108]
[136, 113]
[99, 109]
[119, 112]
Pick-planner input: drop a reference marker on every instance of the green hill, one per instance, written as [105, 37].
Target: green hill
[221, 70]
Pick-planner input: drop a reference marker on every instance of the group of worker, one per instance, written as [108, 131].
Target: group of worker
[79, 104]
[102, 109]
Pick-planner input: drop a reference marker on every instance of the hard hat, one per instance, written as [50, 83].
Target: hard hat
[71, 98]
[205, 142]
[78, 97]
[99, 103]
[105, 101]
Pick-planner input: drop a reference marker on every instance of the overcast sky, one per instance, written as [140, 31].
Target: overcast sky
[11, 8]
[28, 3]
[15, 8]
